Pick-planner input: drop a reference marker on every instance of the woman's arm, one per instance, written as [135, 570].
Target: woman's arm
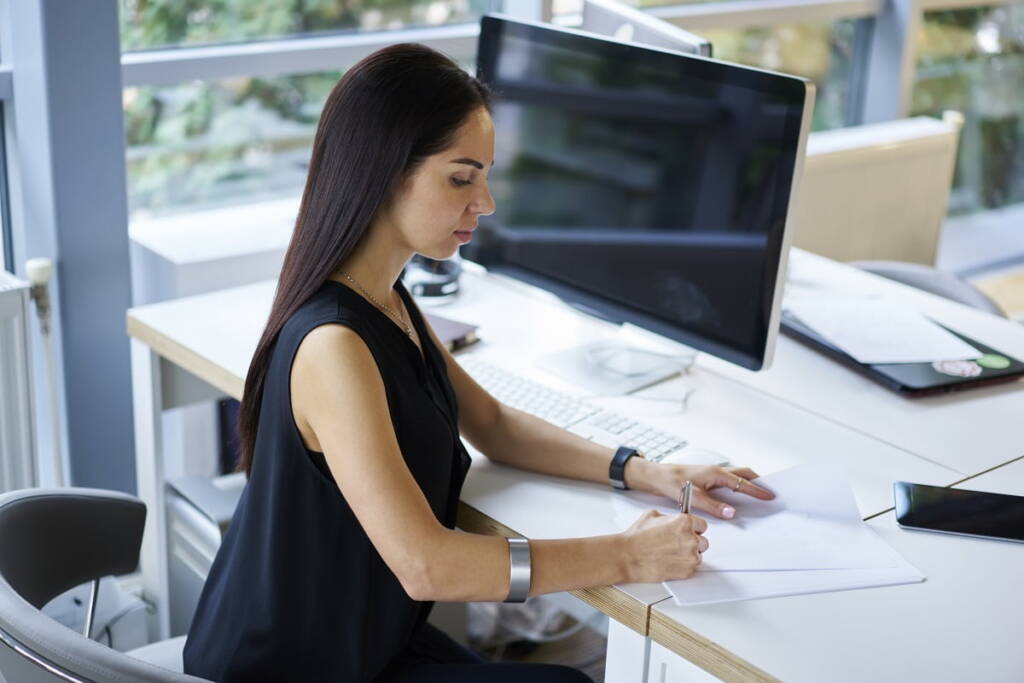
[512, 437]
[338, 399]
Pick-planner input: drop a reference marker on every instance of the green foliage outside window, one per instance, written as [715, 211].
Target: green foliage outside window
[972, 60]
[221, 142]
[217, 142]
[820, 51]
[208, 143]
[161, 23]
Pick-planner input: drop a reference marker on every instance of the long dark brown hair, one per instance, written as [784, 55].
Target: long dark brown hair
[384, 117]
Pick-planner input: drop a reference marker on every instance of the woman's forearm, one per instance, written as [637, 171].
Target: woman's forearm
[461, 567]
[454, 566]
[522, 440]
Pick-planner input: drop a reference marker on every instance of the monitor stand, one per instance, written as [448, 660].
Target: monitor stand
[612, 367]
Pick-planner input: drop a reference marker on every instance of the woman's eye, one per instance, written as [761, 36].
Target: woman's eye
[459, 183]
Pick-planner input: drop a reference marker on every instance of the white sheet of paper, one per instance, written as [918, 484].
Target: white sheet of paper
[704, 588]
[813, 523]
[879, 331]
[793, 545]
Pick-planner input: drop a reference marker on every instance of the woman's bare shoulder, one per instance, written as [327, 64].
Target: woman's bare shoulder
[333, 349]
[333, 374]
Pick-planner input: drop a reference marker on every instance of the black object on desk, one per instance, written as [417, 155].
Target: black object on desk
[431, 278]
[452, 333]
[959, 511]
[645, 184]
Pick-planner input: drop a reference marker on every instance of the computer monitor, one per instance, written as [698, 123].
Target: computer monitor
[628, 24]
[646, 185]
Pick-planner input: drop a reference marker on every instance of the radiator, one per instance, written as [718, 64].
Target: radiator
[17, 441]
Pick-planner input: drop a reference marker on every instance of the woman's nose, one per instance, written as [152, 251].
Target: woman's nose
[484, 204]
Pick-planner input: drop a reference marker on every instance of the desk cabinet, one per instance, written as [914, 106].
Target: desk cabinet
[665, 666]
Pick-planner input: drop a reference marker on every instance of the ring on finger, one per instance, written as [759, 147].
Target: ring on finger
[739, 482]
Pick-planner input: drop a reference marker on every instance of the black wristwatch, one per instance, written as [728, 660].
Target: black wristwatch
[617, 470]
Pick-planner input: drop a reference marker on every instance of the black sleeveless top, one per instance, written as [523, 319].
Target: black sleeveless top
[297, 591]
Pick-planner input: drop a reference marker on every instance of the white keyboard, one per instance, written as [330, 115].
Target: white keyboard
[571, 412]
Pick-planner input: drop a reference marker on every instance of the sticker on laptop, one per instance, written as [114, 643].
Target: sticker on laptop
[957, 368]
[994, 361]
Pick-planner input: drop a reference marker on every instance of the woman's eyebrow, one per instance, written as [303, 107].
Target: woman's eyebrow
[470, 162]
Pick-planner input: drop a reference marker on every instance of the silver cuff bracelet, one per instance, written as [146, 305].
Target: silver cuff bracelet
[519, 569]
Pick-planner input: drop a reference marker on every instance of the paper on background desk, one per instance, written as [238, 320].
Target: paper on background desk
[879, 331]
[809, 539]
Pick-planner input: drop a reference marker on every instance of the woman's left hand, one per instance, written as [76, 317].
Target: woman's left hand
[667, 480]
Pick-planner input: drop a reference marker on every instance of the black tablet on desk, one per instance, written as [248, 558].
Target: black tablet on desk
[959, 511]
[918, 379]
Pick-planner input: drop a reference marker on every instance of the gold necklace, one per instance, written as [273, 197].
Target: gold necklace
[386, 309]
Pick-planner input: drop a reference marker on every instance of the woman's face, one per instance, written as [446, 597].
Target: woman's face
[438, 207]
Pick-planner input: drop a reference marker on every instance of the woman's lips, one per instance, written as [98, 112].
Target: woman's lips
[464, 236]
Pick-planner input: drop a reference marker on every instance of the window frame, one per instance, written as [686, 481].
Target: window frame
[6, 231]
[878, 91]
[880, 84]
[748, 13]
[6, 80]
[282, 57]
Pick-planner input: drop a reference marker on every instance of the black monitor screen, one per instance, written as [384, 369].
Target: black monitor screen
[647, 185]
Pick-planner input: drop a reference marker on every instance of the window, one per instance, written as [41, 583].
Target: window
[148, 24]
[820, 51]
[206, 143]
[823, 51]
[972, 60]
[209, 143]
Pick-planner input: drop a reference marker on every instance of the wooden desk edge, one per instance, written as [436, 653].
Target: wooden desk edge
[610, 600]
[706, 654]
[206, 370]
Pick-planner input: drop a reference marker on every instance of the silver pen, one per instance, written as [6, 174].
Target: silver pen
[684, 497]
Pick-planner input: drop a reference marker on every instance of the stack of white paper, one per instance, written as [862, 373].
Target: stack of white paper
[810, 539]
[878, 331]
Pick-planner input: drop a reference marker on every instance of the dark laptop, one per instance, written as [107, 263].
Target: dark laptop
[918, 379]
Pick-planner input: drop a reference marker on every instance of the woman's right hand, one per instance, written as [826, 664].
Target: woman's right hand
[664, 547]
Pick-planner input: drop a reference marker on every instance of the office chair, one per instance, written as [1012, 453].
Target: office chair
[939, 282]
[50, 541]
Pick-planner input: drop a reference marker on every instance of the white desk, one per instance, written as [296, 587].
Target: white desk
[752, 428]
[966, 431]
[962, 624]
[197, 348]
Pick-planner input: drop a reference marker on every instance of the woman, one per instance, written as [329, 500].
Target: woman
[352, 413]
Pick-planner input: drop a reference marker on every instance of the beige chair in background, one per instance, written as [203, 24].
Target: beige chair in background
[878, 191]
